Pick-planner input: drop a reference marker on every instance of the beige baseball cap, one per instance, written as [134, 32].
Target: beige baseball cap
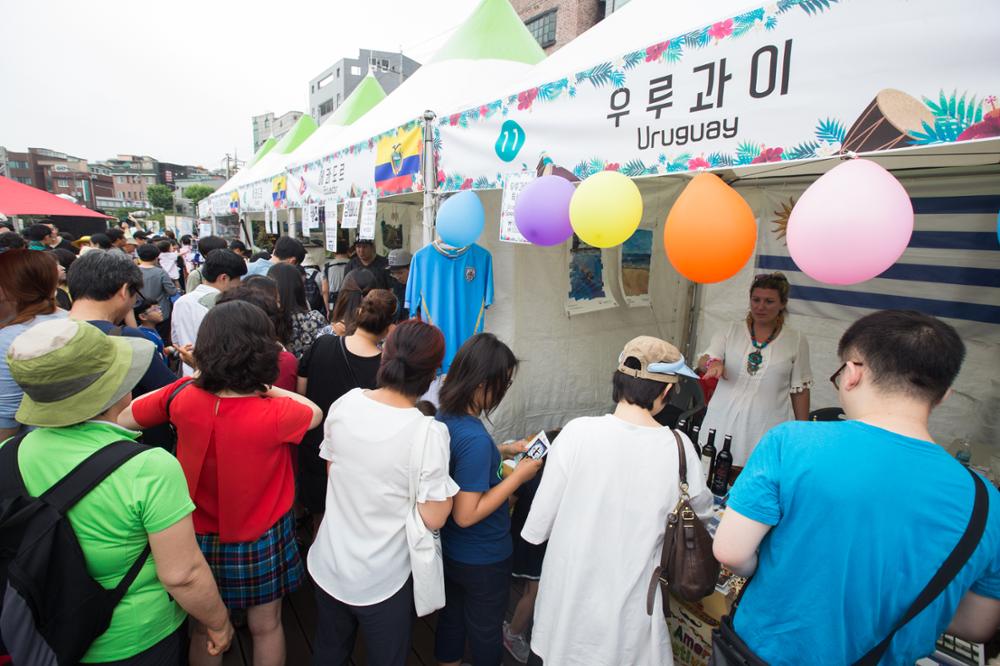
[659, 360]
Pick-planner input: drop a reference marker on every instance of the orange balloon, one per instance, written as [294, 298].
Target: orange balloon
[710, 232]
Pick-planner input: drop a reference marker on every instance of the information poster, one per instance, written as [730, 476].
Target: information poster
[513, 183]
[369, 207]
[587, 292]
[352, 209]
[635, 257]
[204, 229]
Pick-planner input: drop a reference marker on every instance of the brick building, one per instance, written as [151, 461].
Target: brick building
[555, 23]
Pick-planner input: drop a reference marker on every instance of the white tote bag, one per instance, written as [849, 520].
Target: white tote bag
[425, 544]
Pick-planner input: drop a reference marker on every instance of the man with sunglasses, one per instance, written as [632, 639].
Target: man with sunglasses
[843, 524]
[104, 287]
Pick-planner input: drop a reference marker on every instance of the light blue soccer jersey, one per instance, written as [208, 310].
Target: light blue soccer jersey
[451, 289]
[862, 518]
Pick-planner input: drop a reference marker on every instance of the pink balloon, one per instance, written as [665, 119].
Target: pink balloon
[851, 224]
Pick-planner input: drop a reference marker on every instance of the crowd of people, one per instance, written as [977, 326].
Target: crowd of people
[280, 402]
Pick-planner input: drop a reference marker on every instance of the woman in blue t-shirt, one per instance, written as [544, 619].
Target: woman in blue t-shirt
[476, 540]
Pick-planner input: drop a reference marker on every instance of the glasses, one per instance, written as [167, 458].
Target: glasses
[835, 377]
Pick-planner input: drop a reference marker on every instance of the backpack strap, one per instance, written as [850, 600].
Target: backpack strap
[88, 474]
[119, 591]
[11, 481]
[952, 565]
[173, 394]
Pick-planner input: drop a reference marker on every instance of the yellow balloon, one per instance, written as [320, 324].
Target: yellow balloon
[605, 209]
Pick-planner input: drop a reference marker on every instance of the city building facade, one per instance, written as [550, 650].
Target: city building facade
[268, 125]
[332, 86]
[554, 23]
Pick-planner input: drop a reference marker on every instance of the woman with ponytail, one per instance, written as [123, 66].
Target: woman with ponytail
[360, 560]
[330, 368]
[28, 282]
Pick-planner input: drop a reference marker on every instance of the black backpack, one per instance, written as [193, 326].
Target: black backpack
[53, 609]
[314, 294]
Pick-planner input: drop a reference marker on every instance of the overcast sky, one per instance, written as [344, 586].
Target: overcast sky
[180, 80]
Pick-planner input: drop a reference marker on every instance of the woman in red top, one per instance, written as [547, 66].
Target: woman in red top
[263, 292]
[234, 441]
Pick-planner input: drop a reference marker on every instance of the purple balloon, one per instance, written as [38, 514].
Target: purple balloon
[542, 210]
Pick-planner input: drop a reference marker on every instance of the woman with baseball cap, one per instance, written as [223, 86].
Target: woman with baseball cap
[76, 381]
[602, 505]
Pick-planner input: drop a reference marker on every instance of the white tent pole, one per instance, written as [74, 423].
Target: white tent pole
[430, 177]
[292, 230]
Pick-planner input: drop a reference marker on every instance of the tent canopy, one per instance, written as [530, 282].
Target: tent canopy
[264, 149]
[19, 199]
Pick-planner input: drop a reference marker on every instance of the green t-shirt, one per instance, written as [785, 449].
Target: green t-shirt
[146, 494]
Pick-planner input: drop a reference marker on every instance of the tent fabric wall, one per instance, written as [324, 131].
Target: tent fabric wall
[567, 362]
[972, 411]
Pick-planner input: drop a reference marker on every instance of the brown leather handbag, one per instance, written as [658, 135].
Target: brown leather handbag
[687, 568]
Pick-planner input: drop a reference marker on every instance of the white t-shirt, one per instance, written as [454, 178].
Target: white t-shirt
[603, 504]
[360, 555]
[747, 406]
[185, 319]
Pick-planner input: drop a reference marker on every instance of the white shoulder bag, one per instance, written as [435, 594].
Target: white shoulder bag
[425, 544]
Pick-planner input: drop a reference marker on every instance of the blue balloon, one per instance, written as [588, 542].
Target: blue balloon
[461, 219]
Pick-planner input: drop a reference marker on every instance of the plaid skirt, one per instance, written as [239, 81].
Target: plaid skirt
[256, 572]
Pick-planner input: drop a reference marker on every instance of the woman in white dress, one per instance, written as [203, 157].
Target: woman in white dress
[763, 371]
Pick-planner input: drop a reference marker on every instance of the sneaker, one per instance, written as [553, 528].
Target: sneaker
[516, 644]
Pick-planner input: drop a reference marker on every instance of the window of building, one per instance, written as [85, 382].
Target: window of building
[384, 64]
[151, 180]
[62, 182]
[324, 81]
[120, 180]
[24, 180]
[543, 28]
[338, 99]
[338, 72]
[355, 70]
[60, 167]
[326, 107]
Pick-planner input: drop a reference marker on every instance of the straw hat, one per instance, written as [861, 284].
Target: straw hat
[70, 371]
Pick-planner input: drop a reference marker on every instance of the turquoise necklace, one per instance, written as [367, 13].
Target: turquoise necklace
[755, 358]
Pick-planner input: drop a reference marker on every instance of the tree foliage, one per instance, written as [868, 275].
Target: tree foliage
[197, 192]
[160, 196]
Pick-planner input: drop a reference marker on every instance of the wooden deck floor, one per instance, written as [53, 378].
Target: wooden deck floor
[298, 614]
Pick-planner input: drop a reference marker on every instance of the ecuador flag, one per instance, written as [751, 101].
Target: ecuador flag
[279, 185]
[398, 160]
[234, 202]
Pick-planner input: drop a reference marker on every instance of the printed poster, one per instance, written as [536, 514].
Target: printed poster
[587, 290]
[204, 229]
[369, 208]
[513, 183]
[634, 266]
[352, 210]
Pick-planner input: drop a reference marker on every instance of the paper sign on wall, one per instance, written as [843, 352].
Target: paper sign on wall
[204, 229]
[368, 209]
[330, 210]
[513, 183]
[352, 209]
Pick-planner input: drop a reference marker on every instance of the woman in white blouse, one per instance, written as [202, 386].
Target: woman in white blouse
[360, 560]
[763, 371]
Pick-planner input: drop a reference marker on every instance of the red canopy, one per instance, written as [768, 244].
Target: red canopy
[19, 199]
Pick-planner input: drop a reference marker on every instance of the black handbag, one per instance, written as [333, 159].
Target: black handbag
[728, 649]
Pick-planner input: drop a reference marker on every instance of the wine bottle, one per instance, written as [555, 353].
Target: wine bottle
[708, 455]
[723, 465]
[695, 429]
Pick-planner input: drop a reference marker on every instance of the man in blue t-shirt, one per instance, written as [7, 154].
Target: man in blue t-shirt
[843, 524]
[451, 289]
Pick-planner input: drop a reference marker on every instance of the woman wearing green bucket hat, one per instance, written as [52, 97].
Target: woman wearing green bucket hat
[76, 381]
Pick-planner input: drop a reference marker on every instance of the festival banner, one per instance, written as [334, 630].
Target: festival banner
[792, 80]
[279, 193]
